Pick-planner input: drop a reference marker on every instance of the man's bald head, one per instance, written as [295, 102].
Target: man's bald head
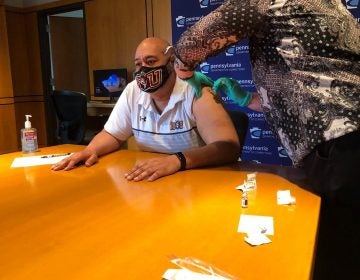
[153, 51]
[154, 43]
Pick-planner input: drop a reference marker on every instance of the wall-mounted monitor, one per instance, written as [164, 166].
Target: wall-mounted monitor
[109, 83]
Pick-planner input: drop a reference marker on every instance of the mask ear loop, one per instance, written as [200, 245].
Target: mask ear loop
[172, 57]
[167, 49]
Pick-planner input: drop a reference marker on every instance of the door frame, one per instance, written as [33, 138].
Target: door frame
[45, 57]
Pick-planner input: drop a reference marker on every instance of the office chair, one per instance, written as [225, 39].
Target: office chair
[241, 123]
[70, 108]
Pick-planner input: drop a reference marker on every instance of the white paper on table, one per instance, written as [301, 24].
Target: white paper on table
[184, 274]
[284, 197]
[251, 176]
[257, 239]
[38, 160]
[254, 223]
[241, 188]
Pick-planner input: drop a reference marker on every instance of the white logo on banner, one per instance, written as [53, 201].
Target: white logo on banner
[236, 50]
[182, 21]
[206, 3]
[230, 51]
[254, 116]
[282, 152]
[352, 4]
[260, 150]
[257, 133]
[246, 83]
[205, 67]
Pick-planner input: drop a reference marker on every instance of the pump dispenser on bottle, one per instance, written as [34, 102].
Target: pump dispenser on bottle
[29, 137]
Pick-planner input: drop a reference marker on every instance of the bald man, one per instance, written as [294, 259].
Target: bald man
[163, 114]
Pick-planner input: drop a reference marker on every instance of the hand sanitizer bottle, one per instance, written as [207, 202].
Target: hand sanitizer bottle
[29, 137]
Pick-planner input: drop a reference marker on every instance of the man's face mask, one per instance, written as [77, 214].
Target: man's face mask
[150, 79]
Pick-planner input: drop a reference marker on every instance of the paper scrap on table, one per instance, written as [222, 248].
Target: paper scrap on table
[251, 176]
[256, 238]
[285, 198]
[247, 186]
[38, 160]
[249, 183]
[256, 224]
[184, 274]
[241, 188]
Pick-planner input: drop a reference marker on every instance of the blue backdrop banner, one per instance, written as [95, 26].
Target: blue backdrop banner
[261, 145]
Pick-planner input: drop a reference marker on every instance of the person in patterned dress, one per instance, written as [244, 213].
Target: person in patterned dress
[305, 61]
[305, 58]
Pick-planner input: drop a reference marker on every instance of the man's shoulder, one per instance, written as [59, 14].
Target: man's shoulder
[183, 88]
[132, 86]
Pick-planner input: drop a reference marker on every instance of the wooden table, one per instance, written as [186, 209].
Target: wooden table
[91, 223]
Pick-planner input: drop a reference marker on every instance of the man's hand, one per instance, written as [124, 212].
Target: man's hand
[87, 156]
[154, 168]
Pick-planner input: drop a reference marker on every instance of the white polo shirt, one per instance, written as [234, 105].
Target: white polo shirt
[174, 130]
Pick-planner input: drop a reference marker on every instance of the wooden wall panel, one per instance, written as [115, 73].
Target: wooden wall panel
[24, 53]
[161, 14]
[5, 68]
[26, 72]
[69, 54]
[9, 137]
[114, 29]
[33, 51]
[18, 52]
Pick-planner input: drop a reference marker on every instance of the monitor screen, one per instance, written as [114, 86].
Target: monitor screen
[109, 83]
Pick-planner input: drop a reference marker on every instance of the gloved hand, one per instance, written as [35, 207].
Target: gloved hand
[228, 86]
[198, 81]
[232, 89]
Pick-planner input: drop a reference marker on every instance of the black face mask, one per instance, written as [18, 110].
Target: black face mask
[150, 79]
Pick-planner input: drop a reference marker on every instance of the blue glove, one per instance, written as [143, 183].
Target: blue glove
[232, 89]
[226, 85]
[198, 81]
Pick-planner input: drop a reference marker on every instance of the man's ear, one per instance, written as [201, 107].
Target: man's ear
[172, 58]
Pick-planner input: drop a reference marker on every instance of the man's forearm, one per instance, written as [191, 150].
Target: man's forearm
[104, 143]
[216, 153]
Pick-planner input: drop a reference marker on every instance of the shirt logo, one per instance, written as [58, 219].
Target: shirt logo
[176, 125]
[142, 118]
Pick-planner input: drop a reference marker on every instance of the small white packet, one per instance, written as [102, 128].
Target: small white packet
[285, 198]
[257, 238]
[194, 269]
[183, 274]
[250, 181]
[250, 185]
[241, 187]
[251, 176]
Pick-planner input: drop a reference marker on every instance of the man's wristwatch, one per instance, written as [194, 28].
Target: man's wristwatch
[182, 160]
